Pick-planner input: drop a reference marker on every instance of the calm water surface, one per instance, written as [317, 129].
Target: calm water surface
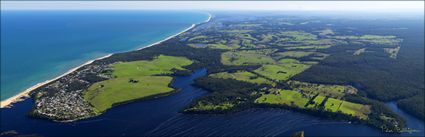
[161, 117]
[40, 45]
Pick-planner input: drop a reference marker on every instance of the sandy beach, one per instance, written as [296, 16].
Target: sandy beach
[156, 43]
[25, 94]
[191, 27]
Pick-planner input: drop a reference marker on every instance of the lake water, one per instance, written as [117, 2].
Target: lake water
[40, 45]
[161, 117]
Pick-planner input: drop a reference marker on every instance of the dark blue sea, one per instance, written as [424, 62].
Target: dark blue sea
[39, 45]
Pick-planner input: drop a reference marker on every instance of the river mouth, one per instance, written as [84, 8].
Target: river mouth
[161, 117]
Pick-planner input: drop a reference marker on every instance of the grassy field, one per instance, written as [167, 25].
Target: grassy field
[248, 37]
[355, 109]
[374, 39]
[134, 80]
[222, 46]
[247, 57]
[333, 104]
[242, 76]
[309, 47]
[318, 42]
[285, 69]
[334, 91]
[103, 95]
[294, 54]
[296, 99]
[298, 35]
[300, 54]
[349, 108]
[319, 99]
[283, 97]
[160, 65]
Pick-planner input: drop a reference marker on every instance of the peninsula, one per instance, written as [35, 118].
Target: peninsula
[252, 62]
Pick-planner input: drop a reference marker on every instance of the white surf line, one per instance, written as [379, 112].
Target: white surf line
[25, 94]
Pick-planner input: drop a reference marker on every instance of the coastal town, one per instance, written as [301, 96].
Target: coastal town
[61, 100]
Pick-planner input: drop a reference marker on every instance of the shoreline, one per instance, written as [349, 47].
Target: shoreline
[24, 94]
[8, 103]
[172, 36]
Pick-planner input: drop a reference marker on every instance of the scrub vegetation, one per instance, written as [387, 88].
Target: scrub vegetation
[270, 61]
[266, 64]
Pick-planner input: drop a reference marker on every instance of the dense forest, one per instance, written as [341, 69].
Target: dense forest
[302, 64]
[375, 74]
[381, 78]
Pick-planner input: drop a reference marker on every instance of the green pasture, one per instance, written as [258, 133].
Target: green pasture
[134, 80]
[242, 76]
[283, 97]
[247, 57]
[334, 91]
[103, 95]
[285, 69]
[358, 110]
[160, 65]
[309, 47]
[293, 54]
[298, 35]
[222, 46]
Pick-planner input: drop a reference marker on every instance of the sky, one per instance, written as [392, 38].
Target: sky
[406, 6]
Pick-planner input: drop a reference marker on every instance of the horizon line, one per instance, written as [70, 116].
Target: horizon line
[399, 6]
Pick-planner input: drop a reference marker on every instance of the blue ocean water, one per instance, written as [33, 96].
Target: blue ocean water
[40, 45]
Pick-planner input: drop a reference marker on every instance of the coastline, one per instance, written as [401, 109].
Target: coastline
[172, 36]
[25, 94]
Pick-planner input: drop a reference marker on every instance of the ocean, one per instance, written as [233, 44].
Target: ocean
[40, 45]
